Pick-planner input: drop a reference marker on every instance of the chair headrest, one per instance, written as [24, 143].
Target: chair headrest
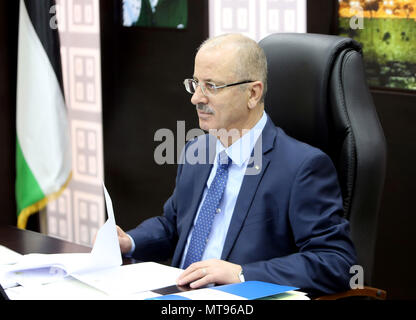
[299, 69]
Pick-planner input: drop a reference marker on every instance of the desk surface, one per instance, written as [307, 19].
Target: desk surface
[25, 241]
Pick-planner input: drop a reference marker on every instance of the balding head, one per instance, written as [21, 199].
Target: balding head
[250, 60]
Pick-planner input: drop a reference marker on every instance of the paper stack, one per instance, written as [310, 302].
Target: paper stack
[38, 269]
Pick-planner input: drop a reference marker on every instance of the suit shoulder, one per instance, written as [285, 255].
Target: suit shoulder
[295, 149]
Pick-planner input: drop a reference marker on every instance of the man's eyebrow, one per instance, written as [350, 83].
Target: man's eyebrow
[207, 80]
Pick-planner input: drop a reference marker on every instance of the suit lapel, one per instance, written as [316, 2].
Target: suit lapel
[201, 174]
[248, 190]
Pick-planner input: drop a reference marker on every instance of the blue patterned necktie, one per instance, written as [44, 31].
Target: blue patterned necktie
[209, 208]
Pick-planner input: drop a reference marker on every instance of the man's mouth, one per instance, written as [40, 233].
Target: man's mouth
[204, 109]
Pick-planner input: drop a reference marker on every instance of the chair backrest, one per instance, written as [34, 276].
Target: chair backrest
[318, 94]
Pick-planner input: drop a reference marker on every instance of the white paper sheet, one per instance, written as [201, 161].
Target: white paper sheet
[8, 256]
[36, 269]
[5, 281]
[133, 278]
[106, 251]
[70, 289]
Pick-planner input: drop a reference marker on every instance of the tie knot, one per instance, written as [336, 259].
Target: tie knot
[223, 160]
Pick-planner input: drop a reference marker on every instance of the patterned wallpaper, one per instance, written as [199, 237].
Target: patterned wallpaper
[256, 18]
[79, 212]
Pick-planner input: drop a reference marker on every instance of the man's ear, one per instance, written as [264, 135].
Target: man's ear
[255, 94]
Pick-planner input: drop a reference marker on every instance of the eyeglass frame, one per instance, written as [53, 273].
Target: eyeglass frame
[214, 86]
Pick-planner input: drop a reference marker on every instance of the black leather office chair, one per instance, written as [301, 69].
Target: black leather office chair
[317, 93]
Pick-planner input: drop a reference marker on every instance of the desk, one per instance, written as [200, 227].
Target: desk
[25, 242]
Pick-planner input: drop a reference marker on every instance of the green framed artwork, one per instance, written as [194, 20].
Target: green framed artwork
[386, 30]
[155, 13]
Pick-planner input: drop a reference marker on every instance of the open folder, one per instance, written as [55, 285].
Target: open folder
[36, 269]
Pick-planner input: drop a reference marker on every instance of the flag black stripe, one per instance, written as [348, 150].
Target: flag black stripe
[40, 16]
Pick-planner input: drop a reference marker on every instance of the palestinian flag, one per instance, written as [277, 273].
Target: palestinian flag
[43, 159]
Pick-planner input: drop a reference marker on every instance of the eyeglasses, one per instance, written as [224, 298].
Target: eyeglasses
[208, 88]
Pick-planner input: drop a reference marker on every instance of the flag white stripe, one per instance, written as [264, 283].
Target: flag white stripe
[42, 126]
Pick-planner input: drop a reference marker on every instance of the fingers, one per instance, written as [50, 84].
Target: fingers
[120, 231]
[205, 272]
[95, 238]
[196, 275]
[124, 240]
[203, 280]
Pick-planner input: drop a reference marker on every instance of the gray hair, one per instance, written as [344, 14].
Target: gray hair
[251, 63]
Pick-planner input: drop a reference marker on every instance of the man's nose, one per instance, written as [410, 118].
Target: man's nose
[199, 97]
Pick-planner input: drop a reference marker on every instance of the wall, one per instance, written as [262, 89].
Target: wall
[256, 18]
[79, 212]
[396, 245]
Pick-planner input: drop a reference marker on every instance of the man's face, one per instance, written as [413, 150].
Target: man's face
[228, 107]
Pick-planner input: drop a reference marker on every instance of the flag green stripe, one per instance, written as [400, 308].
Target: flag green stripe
[28, 190]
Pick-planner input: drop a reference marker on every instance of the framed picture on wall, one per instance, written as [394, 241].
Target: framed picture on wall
[386, 30]
[155, 13]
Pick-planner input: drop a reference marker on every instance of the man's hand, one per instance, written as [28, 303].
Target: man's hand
[201, 273]
[124, 240]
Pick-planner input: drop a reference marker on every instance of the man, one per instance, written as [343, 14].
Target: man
[277, 220]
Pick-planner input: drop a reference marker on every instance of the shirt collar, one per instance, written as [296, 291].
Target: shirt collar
[240, 151]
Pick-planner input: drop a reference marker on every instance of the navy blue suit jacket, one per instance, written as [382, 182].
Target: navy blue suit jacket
[287, 226]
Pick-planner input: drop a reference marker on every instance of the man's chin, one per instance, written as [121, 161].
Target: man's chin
[204, 125]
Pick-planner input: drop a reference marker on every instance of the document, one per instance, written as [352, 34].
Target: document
[35, 269]
[8, 256]
[129, 282]
[94, 275]
[132, 278]
[70, 288]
